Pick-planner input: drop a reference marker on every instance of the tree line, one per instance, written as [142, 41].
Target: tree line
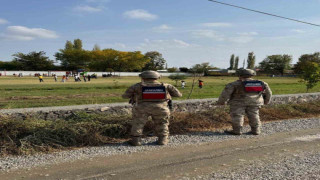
[73, 57]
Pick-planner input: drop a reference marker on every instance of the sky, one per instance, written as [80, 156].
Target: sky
[186, 32]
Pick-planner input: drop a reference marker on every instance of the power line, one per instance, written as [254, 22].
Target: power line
[265, 13]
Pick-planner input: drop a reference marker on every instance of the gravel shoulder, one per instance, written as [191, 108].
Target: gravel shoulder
[96, 159]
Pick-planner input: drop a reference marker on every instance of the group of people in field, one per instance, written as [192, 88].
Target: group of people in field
[65, 78]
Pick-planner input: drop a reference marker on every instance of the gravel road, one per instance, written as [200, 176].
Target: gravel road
[27, 162]
[297, 166]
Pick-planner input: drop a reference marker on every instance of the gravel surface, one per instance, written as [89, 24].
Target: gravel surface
[17, 162]
[298, 166]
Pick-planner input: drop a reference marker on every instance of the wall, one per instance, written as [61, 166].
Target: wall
[61, 73]
[195, 105]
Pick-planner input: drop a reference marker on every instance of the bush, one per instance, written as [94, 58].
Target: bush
[177, 77]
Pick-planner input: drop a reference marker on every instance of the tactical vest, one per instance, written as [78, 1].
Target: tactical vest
[153, 93]
[249, 86]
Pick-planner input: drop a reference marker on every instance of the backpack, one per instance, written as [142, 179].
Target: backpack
[253, 86]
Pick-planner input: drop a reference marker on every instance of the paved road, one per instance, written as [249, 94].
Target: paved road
[203, 161]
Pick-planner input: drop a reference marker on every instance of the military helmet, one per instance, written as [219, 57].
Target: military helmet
[246, 72]
[150, 75]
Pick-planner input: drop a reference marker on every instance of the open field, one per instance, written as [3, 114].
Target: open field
[28, 92]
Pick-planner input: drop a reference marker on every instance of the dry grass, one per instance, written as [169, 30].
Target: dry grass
[20, 137]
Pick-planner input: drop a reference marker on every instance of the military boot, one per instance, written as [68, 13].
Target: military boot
[162, 140]
[255, 130]
[236, 130]
[135, 141]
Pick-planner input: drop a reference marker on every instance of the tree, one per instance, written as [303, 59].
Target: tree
[184, 69]
[244, 63]
[231, 62]
[77, 44]
[310, 74]
[73, 57]
[96, 48]
[11, 65]
[69, 45]
[117, 60]
[251, 60]
[177, 77]
[173, 69]
[304, 61]
[236, 63]
[276, 64]
[156, 62]
[197, 71]
[34, 61]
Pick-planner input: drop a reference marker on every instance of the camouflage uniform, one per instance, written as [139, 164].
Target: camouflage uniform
[158, 110]
[242, 102]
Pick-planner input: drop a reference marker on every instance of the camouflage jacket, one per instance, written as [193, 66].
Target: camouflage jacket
[135, 93]
[235, 94]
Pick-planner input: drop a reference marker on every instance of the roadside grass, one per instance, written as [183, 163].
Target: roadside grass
[23, 137]
[27, 92]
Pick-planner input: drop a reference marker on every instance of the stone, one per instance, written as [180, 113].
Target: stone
[104, 109]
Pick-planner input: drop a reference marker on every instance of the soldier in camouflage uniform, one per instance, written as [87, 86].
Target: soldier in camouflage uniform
[150, 98]
[245, 96]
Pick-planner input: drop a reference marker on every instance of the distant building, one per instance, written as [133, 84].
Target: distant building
[162, 70]
[221, 72]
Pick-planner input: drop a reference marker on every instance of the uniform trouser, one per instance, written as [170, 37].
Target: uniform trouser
[159, 113]
[237, 115]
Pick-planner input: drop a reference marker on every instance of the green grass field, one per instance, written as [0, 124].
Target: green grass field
[29, 92]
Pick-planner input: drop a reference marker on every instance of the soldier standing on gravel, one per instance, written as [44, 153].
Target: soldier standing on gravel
[150, 98]
[246, 96]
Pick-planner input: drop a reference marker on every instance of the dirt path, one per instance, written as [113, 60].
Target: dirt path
[180, 161]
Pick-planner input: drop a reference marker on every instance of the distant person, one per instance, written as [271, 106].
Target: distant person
[200, 84]
[63, 78]
[78, 77]
[75, 78]
[183, 84]
[41, 78]
[55, 77]
[89, 77]
[84, 78]
[245, 96]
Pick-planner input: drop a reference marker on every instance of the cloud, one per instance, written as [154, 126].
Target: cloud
[26, 34]
[140, 14]
[219, 24]
[87, 9]
[298, 31]
[248, 33]
[218, 36]
[181, 43]
[97, 1]
[208, 34]
[3, 21]
[241, 39]
[162, 28]
[163, 44]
